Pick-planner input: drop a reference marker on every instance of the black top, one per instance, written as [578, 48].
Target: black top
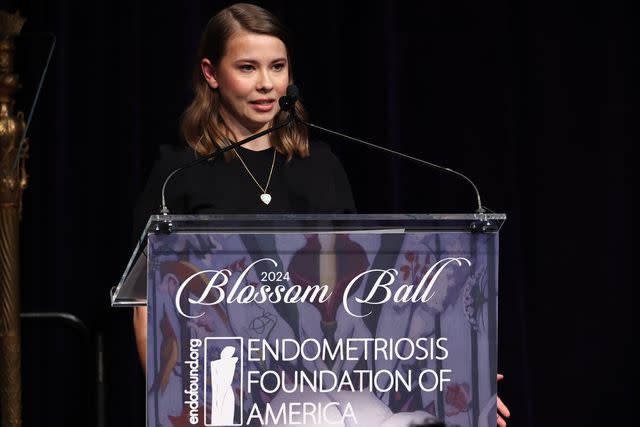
[316, 184]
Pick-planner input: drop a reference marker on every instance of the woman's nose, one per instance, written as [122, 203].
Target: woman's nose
[264, 83]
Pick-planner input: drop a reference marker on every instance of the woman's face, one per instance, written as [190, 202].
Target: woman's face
[251, 76]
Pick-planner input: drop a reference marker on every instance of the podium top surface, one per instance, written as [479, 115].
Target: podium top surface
[131, 289]
[487, 222]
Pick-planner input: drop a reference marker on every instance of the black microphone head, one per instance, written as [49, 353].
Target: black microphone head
[292, 92]
[286, 103]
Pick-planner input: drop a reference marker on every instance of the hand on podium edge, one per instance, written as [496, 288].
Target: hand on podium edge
[140, 329]
[503, 411]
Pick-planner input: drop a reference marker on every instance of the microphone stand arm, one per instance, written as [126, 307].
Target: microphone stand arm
[395, 153]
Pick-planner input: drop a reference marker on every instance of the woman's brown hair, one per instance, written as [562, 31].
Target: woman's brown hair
[202, 125]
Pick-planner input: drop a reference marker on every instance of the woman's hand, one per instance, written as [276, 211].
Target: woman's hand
[503, 411]
[140, 329]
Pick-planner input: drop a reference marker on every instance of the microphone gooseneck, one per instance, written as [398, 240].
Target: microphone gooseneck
[294, 90]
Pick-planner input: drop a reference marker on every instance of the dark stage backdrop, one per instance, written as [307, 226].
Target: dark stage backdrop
[528, 98]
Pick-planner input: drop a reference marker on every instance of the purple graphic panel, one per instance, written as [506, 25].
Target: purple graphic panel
[327, 329]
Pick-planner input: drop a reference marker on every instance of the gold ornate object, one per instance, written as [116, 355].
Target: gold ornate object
[13, 180]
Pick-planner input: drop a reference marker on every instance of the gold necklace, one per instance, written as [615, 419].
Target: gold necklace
[265, 197]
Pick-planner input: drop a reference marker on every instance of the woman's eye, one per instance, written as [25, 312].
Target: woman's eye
[246, 67]
[279, 67]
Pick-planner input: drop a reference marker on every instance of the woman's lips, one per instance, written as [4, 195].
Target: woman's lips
[263, 105]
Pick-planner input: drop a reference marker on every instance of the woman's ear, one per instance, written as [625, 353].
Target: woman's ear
[209, 73]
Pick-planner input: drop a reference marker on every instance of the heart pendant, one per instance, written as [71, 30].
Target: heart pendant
[266, 198]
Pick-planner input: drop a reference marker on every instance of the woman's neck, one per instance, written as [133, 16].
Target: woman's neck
[239, 133]
[259, 144]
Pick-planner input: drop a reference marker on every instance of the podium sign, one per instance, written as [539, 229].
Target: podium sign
[326, 321]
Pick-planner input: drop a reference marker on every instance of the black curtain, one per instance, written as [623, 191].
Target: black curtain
[530, 99]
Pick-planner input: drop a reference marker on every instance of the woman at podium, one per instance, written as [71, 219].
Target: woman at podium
[243, 68]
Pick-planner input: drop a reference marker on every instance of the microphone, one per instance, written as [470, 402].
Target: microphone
[288, 102]
[292, 95]
[164, 210]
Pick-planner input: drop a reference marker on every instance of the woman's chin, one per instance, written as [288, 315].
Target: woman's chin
[256, 126]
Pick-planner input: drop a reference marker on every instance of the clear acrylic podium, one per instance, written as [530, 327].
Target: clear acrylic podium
[326, 320]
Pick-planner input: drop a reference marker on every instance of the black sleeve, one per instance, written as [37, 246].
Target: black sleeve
[344, 196]
[333, 178]
[149, 201]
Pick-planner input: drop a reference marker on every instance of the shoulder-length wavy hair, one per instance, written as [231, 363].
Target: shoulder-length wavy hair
[202, 125]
